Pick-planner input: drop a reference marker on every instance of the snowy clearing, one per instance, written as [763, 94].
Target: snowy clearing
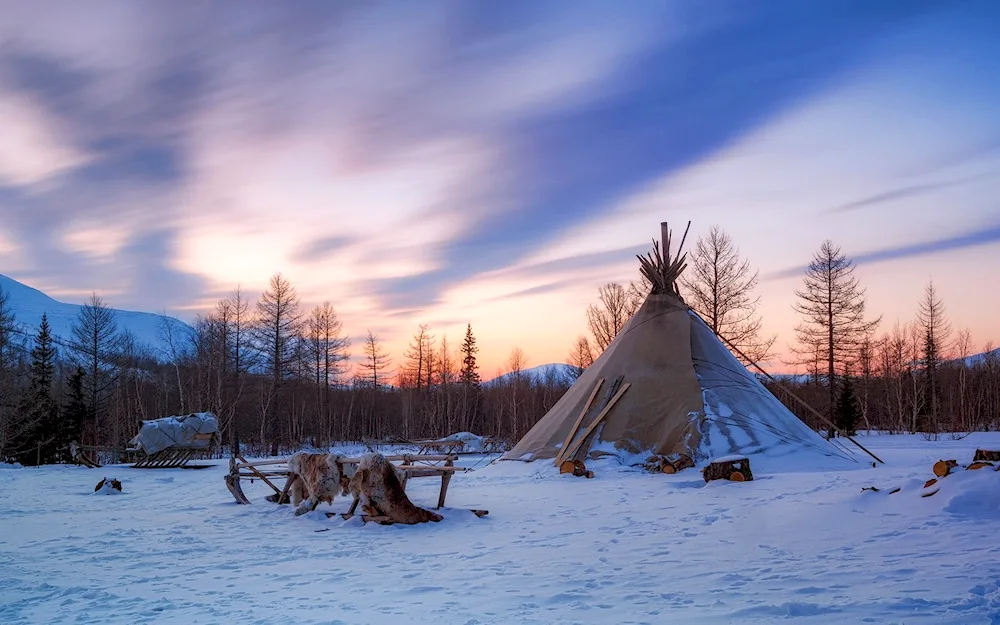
[624, 547]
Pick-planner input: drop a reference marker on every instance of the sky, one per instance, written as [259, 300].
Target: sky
[449, 162]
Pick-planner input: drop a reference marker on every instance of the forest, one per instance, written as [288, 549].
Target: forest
[278, 376]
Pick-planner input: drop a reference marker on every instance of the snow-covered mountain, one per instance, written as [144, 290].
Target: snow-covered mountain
[29, 304]
[555, 370]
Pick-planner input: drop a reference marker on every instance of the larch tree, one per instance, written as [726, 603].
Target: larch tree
[581, 357]
[97, 344]
[13, 424]
[276, 331]
[719, 285]
[605, 319]
[277, 326]
[327, 352]
[416, 372]
[376, 361]
[936, 331]
[833, 307]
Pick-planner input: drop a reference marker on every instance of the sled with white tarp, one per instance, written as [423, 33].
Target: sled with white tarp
[171, 442]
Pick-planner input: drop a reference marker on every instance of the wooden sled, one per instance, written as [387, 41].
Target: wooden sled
[85, 458]
[271, 471]
[382, 520]
[178, 457]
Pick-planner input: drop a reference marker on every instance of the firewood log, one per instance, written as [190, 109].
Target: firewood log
[978, 465]
[944, 467]
[991, 455]
[930, 482]
[724, 468]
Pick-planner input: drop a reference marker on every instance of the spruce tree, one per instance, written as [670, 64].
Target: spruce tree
[848, 412]
[42, 409]
[469, 377]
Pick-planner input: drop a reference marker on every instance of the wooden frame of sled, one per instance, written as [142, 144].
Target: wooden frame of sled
[88, 455]
[270, 471]
[177, 457]
[491, 445]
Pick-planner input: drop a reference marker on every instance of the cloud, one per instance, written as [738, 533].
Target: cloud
[900, 193]
[320, 248]
[974, 238]
[31, 144]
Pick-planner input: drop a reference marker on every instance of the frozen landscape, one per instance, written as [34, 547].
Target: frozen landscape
[624, 547]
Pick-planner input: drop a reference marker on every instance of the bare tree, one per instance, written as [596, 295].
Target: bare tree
[581, 357]
[416, 371]
[13, 422]
[833, 306]
[277, 325]
[276, 331]
[720, 287]
[614, 307]
[936, 330]
[376, 361]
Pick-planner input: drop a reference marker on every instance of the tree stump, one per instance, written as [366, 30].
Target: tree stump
[987, 455]
[576, 467]
[728, 468]
[944, 467]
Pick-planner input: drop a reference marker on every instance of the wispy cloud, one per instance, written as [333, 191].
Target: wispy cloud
[974, 238]
[901, 193]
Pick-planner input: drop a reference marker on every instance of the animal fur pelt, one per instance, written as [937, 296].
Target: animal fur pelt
[108, 486]
[379, 486]
[320, 477]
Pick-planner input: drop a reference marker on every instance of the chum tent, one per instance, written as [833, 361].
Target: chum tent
[667, 384]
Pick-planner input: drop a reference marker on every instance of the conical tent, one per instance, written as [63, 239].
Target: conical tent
[686, 393]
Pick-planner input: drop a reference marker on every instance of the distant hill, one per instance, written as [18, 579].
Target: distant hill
[29, 304]
[555, 370]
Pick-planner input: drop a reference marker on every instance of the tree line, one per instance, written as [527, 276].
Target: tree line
[277, 377]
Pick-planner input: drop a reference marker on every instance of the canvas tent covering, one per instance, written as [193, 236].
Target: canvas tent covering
[687, 394]
[176, 431]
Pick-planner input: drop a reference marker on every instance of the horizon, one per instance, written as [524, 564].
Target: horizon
[452, 164]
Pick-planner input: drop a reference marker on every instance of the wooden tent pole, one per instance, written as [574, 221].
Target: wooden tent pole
[593, 426]
[815, 412]
[579, 420]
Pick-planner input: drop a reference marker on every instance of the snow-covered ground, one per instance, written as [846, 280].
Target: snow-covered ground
[624, 547]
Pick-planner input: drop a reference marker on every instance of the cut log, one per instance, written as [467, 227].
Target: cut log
[726, 468]
[978, 465]
[736, 476]
[944, 467]
[680, 462]
[928, 494]
[991, 455]
[930, 482]
[668, 468]
[576, 467]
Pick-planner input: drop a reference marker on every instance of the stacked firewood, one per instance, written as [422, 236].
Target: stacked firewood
[670, 463]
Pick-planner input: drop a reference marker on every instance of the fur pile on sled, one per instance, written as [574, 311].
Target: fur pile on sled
[321, 477]
[379, 486]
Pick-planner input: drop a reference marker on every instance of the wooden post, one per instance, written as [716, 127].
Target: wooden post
[593, 426]
[665, 242]
[579, 420]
